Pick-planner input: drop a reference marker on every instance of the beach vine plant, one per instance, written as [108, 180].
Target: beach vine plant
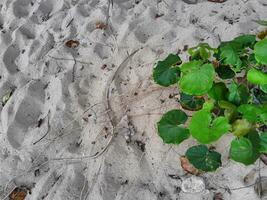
[226, 87]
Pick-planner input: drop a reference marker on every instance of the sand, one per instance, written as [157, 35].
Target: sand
[80, 122]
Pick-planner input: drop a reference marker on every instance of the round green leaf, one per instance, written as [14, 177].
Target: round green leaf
[238, 94]
[242, 151]
[251, 112]
[246, 40]
[225, 72]
[166, 72]
[263, 143]
[264, 88]
[229, 54]
[260, 50]
[197, 78]
[171, 129]
[204, 159]
[218, 91]
[232, 52]
[241, 127]
[206, 130]
[245, 150]
[254, 138]
[256, 76]
[190, 102]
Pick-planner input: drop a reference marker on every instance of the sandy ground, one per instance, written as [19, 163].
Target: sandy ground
[67, 104]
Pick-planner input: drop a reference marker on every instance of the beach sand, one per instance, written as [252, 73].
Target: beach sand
[79, 122]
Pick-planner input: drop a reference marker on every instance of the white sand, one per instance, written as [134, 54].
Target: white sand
[37, 65]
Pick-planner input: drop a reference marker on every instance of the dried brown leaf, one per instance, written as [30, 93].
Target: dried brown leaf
[18, 194]
[100, 25]
[72, 44]
[216, 63]
[218, 196]
[187, 166]
[261, 35]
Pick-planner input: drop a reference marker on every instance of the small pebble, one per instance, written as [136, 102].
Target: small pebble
[193, 184]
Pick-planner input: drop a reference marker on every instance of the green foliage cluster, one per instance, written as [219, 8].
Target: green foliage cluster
[227, 88]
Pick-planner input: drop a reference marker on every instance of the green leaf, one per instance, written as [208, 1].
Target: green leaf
[201, 52]
[190, 102]
[261, 22]
[263, 143]
[251, 112]
[263, 118]
[244, 150]
[205, 129]
[248, 61]
[208, 105]
[226, 105]
[246, 40]
[241, 150]
[264, 88]
[197, 78]
[230, 110]
[232, 52]
[238, 94]
[255, 140]
[166, 72]
[230, 56]
[218, 91]
[171, 128]
[260, 50]
[225, 72]
[204, 54]
[204, 159]
[241, 127]
[256, 76]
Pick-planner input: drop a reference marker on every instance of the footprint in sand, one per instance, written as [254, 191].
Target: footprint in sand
[62, 183]
[21, 8]
[43, 12]
[22, 112]
[10, 57]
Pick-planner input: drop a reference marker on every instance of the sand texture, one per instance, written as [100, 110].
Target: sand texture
[79, 123]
